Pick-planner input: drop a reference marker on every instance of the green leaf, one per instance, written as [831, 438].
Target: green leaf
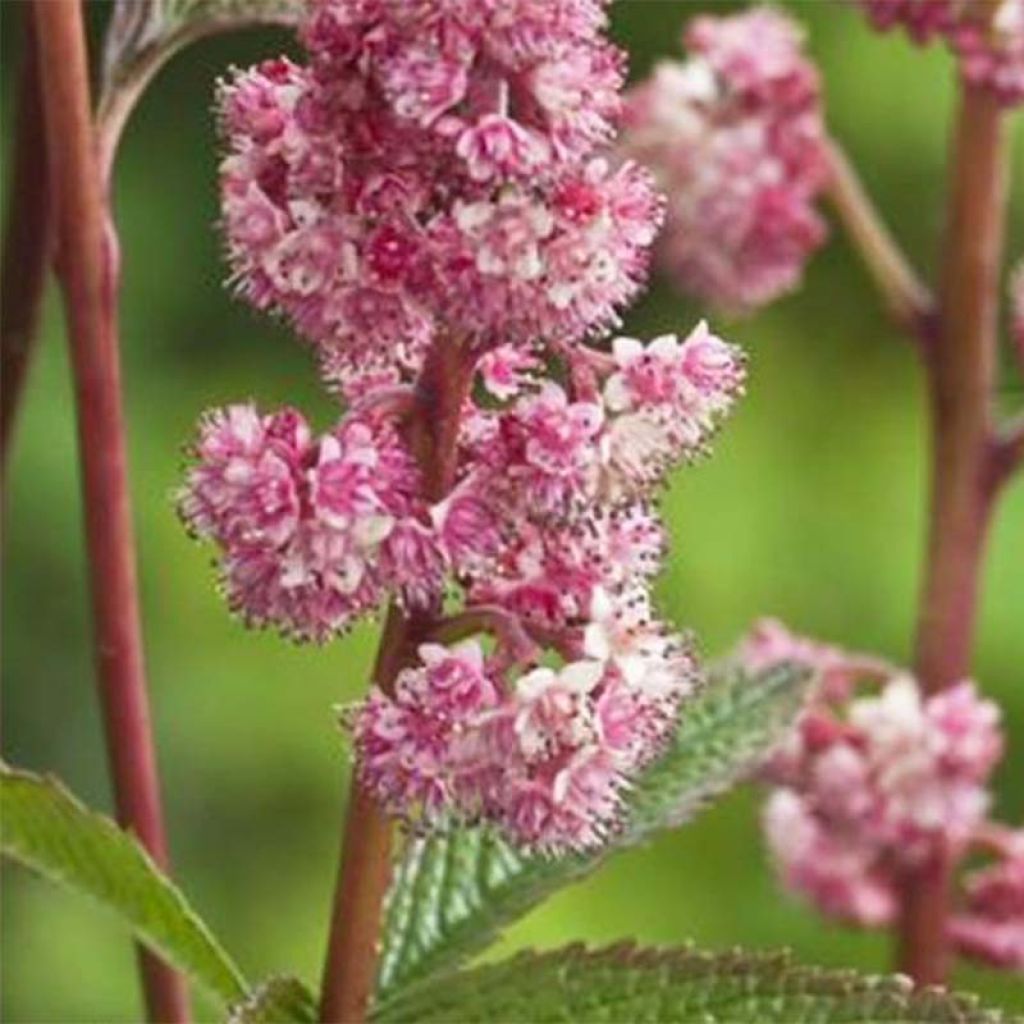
[143, 35]
[454, 891]
[282, 1000]
[46, 829]
[623, 983]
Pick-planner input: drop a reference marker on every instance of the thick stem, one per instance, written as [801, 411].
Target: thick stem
[905, 295]
[364, 872]
[27, 244]
[961, 377]
[87, 269]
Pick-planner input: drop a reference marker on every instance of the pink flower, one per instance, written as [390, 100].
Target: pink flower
[735, 137]
[507, 370]
[527, 267]
[923, 19]
[839, 878]
[770, 642]
[669, 397]
[405, 743]
[312, 532]
[871, 786]
[550, 449]
[246, 488]
[428, 184]
[545, 758]
[990, 925]
[498, 147]
[757, 53]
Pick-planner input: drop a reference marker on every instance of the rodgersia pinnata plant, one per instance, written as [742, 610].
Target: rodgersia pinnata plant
[451, 203]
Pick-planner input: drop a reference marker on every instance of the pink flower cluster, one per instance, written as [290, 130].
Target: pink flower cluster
[989, 923]
[988, 39]
[544, 757]
[869, 786]
[736, 139]
[432, 168]
[551, 526]
[424, 201]
[551, 499]
[313, 531]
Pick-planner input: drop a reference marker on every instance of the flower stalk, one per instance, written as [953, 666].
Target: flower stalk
[87, 267]
[364, 871]
[906, 297]
[961, 379]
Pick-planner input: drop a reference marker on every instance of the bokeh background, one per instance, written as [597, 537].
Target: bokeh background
[811, 509]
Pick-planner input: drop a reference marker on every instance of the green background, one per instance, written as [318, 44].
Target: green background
[811, 509]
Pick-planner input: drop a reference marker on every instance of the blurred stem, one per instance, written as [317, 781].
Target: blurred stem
[906, 297]
[961, 378]
[364, 871]
[26, 246]
[87, 268]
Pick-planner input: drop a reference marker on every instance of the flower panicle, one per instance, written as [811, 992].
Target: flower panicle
[869, 786]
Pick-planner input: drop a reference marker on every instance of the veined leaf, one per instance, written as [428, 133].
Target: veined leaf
[624, 983]
[46, 829]
[454, 891]
[282, 1000]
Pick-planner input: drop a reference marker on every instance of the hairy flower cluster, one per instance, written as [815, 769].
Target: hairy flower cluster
[544, 756]
[433, 168]
[551, 526]
[988, 39]
[735, 137]
[312, 531]
[424, 199]
[868, 786]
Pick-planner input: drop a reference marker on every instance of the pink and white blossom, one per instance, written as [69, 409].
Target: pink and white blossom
[546, 757]
[989, 924]
[867, 787]
[431, 169]
[302, 523]
[432, 180]
[736, 139]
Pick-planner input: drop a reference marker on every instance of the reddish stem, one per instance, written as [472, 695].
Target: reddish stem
[27, 245]
[87, 270]
[961, 379]
[905, 295]
[513, 636]
[364, 871]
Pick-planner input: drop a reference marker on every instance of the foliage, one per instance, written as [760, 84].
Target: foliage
[626, 983]
[48, 830]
